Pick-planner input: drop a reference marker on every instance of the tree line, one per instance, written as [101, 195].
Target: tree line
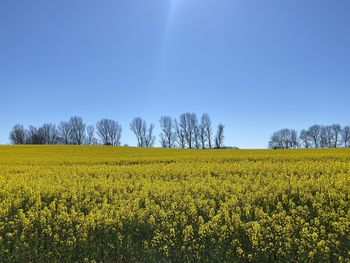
[188, 131]
[316, 136]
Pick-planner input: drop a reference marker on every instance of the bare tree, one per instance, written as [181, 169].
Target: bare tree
[167, 136]
[336, 132]
[163, 142]
[284, 139]
[187, 132]
[325, 136]
[138, 126]
[330, 136]
[345, 136]
[188, 124]
[65, 132]
[109, 131]
[180, 136]
[18, 134]
[144, 134]
[219, 138]
[276, 142]
[315, 135]
[197, 136]
[49, 133]
[294, 141]
[90, 135]
[305, 139]
[149, 138]
[33, 136]
[202, 136]
[206, 130]
[77, 127]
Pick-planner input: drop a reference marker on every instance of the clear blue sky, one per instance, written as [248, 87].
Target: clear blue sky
[256, 66]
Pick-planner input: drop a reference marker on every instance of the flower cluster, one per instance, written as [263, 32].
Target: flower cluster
[111, 204]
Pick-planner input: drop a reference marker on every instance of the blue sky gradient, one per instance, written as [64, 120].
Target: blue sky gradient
[257, 66]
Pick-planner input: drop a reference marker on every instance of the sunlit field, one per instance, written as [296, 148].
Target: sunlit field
[119, 204]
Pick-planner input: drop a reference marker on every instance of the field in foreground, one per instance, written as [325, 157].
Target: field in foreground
[67, 204]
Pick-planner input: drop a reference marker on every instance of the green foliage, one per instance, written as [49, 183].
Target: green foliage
[109, 204]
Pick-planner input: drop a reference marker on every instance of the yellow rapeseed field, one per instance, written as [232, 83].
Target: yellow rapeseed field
[119, 204]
